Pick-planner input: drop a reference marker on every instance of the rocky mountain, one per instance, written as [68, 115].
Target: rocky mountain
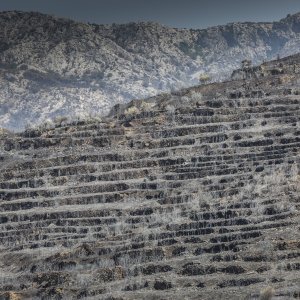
[188, 195]
[52, 67]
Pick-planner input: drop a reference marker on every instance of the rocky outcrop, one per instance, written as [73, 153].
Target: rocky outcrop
[193, 194]
[288, 66]
[52, 67]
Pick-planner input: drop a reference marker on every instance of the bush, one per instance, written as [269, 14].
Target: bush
[132, 110]
[204, 78]
[196, 97]
[59, 120]
[267, 293]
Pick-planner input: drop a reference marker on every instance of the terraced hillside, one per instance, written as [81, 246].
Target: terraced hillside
[190, 195]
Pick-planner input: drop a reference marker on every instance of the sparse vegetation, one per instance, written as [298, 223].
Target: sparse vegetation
[196, 97]
[246, 64]
[267, 293]
[132, 110]
[60, 120]
[204, 78]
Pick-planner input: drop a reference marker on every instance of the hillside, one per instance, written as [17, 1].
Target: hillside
[188, 195]
[52, 67]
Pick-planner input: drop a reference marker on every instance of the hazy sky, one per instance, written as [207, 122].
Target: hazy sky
[176, 13]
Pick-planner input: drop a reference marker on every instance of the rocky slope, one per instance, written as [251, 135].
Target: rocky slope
[52, 66]
[189, 195]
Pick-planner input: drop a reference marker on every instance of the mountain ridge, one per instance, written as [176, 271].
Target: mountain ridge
[53, 66]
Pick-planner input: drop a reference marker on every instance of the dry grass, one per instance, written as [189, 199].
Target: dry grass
[267, 293]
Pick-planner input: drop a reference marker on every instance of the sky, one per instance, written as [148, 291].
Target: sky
[174, 13]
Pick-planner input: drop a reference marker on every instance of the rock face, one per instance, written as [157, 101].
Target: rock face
[52, 67]
[192, 195]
